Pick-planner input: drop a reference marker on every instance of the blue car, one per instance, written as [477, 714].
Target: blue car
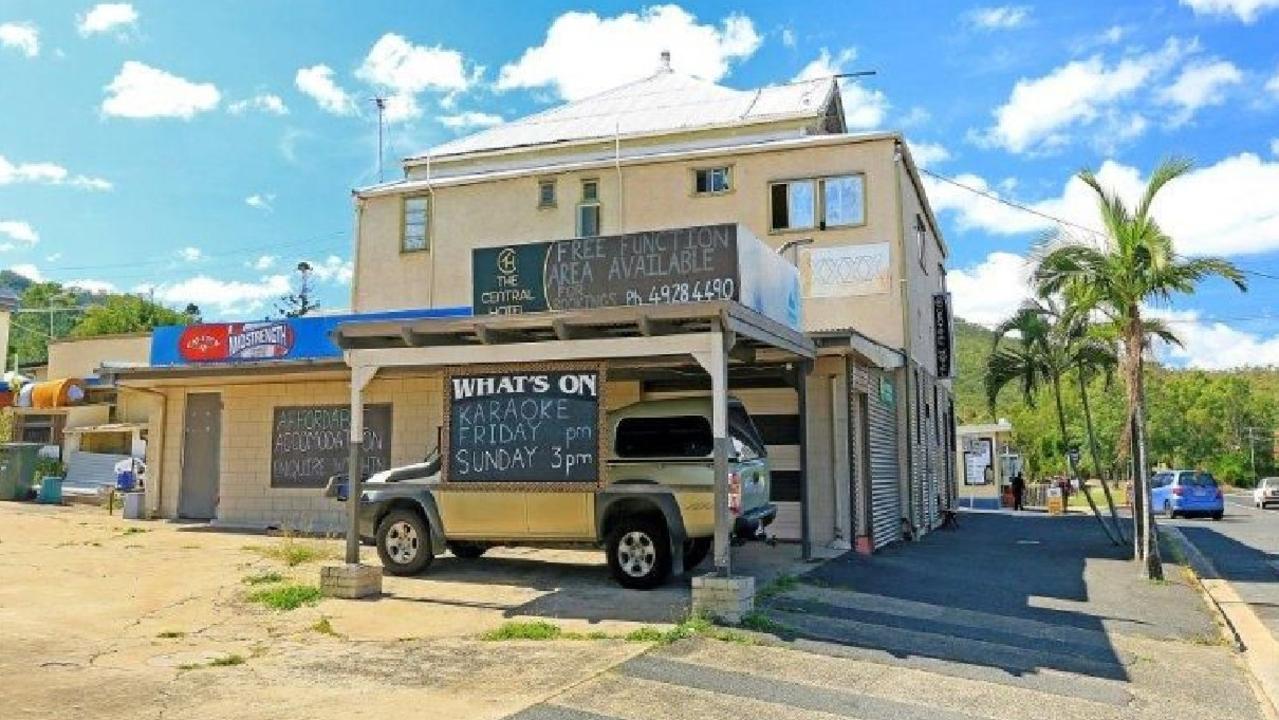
[1186, 493]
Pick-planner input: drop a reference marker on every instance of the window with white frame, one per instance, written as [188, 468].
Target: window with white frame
[921, 239]
[588, 210]
[415, 225]
[829, 202]
[710, 181]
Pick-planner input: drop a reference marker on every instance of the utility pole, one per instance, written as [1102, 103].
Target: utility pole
[1252, 450]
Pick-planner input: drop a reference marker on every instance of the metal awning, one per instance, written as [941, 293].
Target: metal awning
[708, 335]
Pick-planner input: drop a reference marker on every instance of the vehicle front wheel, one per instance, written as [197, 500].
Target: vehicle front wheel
[639, 553]
[695, 551]
[404, 543]
[467, 551]
[1218, 515]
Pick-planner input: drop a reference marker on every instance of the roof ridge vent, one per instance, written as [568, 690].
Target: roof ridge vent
[664, 66]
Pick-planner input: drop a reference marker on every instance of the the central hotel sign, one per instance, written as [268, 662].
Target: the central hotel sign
[693, 264]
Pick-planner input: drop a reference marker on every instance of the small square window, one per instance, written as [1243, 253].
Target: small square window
[794, 205]
[590, 191]
[708, 181]
[415, 225]
[546, 193]
[844, 201]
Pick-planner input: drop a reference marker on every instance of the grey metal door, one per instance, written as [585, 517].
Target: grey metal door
[201, 456]
[885, 473]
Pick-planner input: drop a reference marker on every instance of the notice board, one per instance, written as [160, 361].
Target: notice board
[655, 267]
[309, 443]
[526, 426]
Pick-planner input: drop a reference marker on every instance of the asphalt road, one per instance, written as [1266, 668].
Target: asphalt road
[1244, 547]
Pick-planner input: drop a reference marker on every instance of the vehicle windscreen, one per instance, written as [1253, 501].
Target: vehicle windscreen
[665, 437]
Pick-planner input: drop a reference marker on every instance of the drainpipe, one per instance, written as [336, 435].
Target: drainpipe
[906, 336]
[621, 191]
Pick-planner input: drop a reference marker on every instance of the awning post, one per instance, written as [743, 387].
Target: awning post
[719, 429]
[360, 377]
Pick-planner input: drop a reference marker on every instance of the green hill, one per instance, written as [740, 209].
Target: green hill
[1196, 418]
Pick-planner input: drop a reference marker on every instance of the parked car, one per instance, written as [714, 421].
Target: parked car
[1266, 492]
[656, 499]
[1185, 493]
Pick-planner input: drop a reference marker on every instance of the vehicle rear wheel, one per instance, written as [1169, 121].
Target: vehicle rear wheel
[467, 551]
[695, 551]
[1218, 515]
[404, 543]
[639, 553]
[1168, 511]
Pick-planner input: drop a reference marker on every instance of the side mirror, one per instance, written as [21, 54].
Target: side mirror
[336, 488]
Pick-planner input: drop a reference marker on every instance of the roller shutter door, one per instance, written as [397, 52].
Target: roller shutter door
[885, 500]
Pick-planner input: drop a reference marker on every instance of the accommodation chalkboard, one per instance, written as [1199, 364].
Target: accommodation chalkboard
[537, 425]
[309, 443]
[654, 267]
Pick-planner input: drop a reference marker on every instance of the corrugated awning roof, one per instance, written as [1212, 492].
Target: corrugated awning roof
[663, 102]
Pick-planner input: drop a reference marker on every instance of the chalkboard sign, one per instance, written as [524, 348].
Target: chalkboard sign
[656, 267]
[538, 425]
[309, 443]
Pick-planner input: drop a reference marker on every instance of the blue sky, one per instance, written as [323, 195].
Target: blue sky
[200, 150]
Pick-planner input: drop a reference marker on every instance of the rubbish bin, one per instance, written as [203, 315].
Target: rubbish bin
[17, 469]
[50, 490]
[133, 506]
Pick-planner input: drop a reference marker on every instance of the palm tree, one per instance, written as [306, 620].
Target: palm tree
[1132, 265]
[1050, 346]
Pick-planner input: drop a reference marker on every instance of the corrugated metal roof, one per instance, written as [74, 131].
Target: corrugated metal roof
[663, 102]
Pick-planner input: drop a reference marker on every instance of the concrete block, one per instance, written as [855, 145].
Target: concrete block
[727, 598]
[351, 582]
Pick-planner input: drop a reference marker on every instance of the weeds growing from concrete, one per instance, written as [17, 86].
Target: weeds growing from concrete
[225, 661]
[293, 552]
[286, 597]
[171, 634]
[263, 578]
[690, 627]
[324, 627]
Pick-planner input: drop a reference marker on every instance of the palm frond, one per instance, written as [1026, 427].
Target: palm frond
[1168, 170]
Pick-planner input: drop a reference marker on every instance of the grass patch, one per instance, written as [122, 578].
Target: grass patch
[780, 585]
[324, 627]
[293, 552]
[759, 622]
[225, 661]
[1209, 640]
[134, 530]
[171, 634]
[286, 597]
[524, 630]
[263, 578]
[644, 634]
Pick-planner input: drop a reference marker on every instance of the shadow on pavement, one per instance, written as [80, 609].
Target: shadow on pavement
[1019, 593]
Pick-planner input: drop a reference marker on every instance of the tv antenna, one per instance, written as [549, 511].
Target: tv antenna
[381, 110]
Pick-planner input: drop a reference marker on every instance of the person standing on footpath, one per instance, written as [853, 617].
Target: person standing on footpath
[1019, 492]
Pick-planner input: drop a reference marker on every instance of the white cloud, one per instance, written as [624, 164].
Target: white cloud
[788, 38]
[28, 271]
[259, 201]
[93, 286]
[1213, 345]
[584, 53]
[334, 270]
[225, 296]
[141, 91]
[989, 292]
[21, 36]
[53, 257]
[262, 102]
[470, 119]
[1274, 147]
[1272, 85]
[1246, 10]
[191, 254]
[863, 109]
[1213, 210]
[1112, 35]
[1200, 84]
[46, 173]
[264, 262]
[396, 65]
[1004, 17]
[1041, 112]
[105, 17]
[19, 231]
[926, 153]
[317, 82]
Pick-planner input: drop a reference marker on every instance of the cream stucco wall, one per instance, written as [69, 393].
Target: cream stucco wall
[638, 197]
[81, 357]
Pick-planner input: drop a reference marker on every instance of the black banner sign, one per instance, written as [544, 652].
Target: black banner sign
[692, 264]
[523, 426]
[942, 334]
[309, 443]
